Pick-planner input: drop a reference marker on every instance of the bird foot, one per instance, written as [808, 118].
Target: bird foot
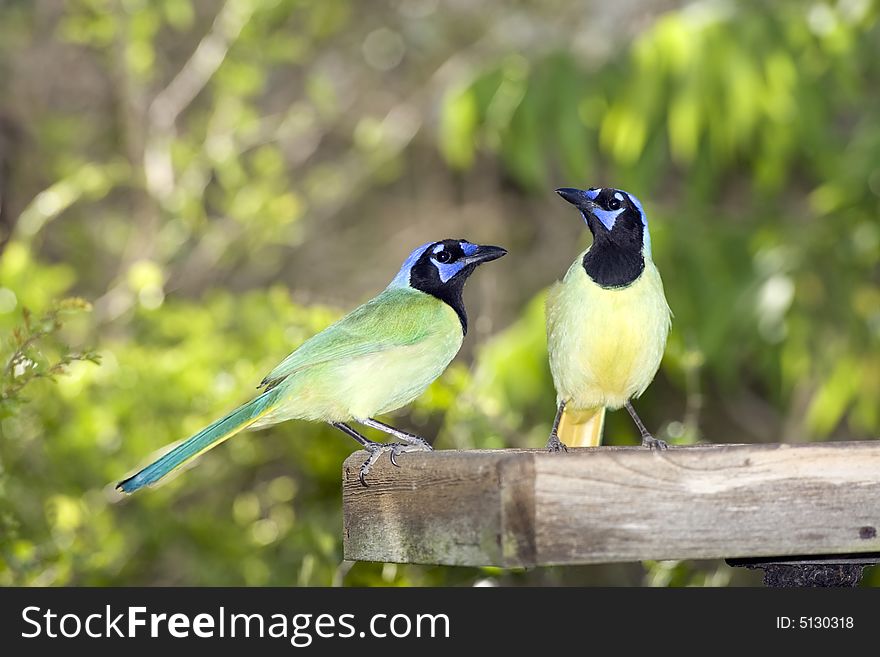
[654, 443]
[394, 449]
[555, 445]
[417, 442]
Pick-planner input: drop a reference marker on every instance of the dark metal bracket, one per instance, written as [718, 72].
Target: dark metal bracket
[817, 571]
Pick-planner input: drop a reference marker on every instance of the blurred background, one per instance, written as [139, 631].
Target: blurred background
[190, 188]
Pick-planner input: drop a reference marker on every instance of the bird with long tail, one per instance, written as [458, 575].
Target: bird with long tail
[376, 359]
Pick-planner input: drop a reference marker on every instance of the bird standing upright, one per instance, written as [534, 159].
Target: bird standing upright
[607, 320]
[376, 359]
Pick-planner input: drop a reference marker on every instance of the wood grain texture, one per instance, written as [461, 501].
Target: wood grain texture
[608, 504]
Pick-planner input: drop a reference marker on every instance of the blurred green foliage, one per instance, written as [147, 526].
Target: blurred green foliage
[25, 354]
[754, 134]
[222, 179]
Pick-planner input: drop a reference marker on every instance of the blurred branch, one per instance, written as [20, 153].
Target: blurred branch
[693, 365]
[400, 125]
[9, 139]
[92, 181]
[161, 116]
[168, 104]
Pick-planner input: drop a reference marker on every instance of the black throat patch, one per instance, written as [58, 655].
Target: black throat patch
[613, 266]
[424, 276]
[616, 259]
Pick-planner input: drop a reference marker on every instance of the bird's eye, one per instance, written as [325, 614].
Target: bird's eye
[613, 204]
[443, 256]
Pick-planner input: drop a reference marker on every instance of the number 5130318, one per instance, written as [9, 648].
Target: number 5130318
[815, 622]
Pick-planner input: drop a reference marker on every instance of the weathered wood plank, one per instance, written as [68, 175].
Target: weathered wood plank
[411, 514]
[529, 507]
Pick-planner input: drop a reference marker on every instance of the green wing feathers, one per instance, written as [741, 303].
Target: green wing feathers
[397, 317]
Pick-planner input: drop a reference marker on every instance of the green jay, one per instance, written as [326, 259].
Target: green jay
[376, 359]
[607, 320]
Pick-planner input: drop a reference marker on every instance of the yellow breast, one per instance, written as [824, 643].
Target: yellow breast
[605, 344]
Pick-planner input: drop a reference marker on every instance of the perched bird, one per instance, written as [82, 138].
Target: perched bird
[607, 321]
[379, 357]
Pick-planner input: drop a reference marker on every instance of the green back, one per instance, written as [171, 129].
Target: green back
[396, 317]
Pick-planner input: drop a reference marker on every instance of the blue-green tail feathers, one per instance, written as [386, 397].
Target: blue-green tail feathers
[213, 434]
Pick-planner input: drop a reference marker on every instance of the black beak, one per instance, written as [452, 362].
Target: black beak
[577, 197]
[485, 254]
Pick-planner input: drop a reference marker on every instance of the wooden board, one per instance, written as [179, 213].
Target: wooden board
[612, 504]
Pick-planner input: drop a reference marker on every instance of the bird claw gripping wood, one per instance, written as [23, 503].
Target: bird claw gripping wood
[654, 443]
[401, 448]
[395, 449]
[554, 445]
